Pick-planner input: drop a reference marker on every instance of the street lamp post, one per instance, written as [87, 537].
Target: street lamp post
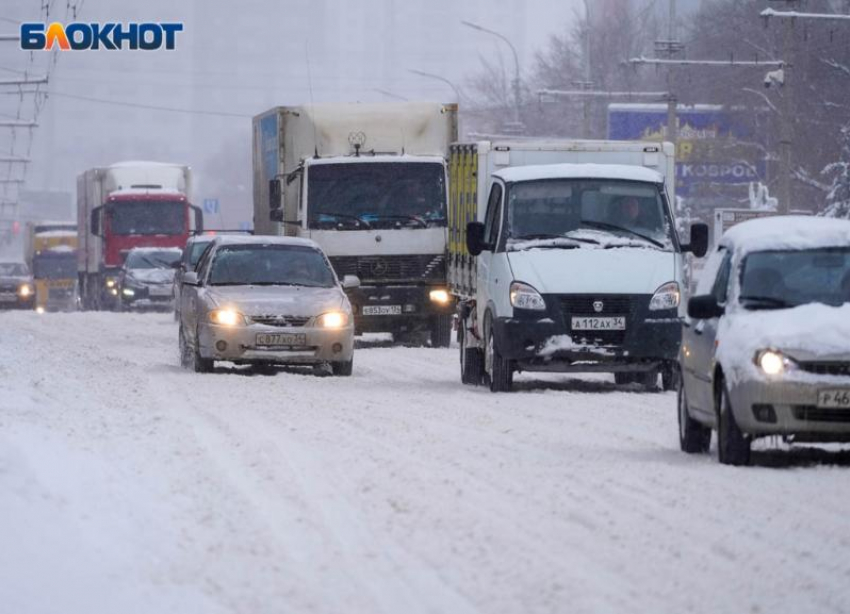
[429, 75]
[517, 122]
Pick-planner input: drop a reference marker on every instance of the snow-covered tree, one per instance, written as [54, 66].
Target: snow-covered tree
[838, 197]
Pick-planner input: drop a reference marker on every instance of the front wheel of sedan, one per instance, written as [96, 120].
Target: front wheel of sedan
[343, 368]
[733, 447]
[190, 358]
[694, 438]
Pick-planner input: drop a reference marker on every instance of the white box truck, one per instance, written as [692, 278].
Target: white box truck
[563, 256]
[127, 205]
[368, 183]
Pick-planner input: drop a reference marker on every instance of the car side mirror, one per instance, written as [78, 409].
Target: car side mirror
[275, 195]
[276, 215]
[191, 279]
[699, 240]
[350, 281]
[475, 243]
[704, 307]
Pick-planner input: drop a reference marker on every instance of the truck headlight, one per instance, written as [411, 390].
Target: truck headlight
[524, 296]
[774, 362]
[110, 283]
[24, 290]
[227, 317]
[439, 296]
[333, 319]
[666, 297]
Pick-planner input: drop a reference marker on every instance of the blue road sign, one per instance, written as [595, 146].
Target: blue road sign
[210, 205]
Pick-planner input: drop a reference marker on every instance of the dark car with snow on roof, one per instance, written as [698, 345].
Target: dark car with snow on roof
[146, 279]
[16, 286]
[766, 346]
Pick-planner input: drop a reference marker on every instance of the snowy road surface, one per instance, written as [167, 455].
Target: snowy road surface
[128, 485]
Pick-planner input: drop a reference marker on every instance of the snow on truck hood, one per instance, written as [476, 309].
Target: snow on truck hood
[624, 270]
[277, 300]
[808, 332]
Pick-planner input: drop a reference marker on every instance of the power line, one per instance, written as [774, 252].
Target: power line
[122, 103]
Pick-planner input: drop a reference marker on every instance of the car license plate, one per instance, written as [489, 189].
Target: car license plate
[8, 296]
[382, 310]
[282, 339]
[615, 323]
[834, 399]
[164, 291]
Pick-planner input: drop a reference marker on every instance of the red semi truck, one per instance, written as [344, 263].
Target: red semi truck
[127, 205]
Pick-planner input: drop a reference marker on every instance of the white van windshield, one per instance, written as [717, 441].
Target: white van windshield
[585, 209]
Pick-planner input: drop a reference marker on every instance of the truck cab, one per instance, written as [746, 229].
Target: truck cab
[577, 267]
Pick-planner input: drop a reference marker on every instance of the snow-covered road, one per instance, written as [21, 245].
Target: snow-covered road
[129, 485]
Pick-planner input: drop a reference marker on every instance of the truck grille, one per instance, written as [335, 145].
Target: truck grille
[817, 414]
[583, 305]
[411, 268]
[826, 368]
[281, 320]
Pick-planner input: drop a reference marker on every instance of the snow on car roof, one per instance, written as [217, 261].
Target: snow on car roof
[787, 232]
[264, 240]
[579, 171]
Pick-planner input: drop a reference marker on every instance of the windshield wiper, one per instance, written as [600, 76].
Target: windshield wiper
[412, 218]
[767, 301]
[347, 216]
[606, 226]
[545, 236]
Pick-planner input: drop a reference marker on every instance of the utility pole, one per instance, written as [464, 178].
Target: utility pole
[587, 84]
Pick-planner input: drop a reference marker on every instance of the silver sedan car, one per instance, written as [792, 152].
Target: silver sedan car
[265, 301]
[766, 348]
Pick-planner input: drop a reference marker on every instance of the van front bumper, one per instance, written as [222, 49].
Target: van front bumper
[545, 341]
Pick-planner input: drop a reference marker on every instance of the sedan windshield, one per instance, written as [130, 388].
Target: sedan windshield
[358, 196]
[152, 259]
[148, 218]
[777, 279]
[285, 265]
[581, 209]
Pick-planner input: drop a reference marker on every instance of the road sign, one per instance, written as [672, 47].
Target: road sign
[211, 205]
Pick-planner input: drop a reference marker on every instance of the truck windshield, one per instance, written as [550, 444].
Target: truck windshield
[270, 265]
[357, 196]
[55, 267]
[607, 212]
[778, 279]
[148, 218]
[13, 269]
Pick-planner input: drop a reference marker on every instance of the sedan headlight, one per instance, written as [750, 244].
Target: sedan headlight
[110, 283]
[227, 317]
[774, 362]
[333, 319]
[524, 296]
[666, 297]
[25, 290]
[128, 292]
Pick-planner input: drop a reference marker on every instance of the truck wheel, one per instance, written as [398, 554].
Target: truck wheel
[694, 438]
[343, 368]
[733, 447]
[670, 377]
[621, 378]
[441, 331]
[648, 379]
[471, 363]
[501, 372]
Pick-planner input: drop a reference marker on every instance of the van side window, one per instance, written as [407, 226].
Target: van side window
[491, 222]
[720, 290]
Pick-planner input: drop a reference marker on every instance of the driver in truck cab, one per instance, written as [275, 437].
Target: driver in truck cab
[630, 212]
